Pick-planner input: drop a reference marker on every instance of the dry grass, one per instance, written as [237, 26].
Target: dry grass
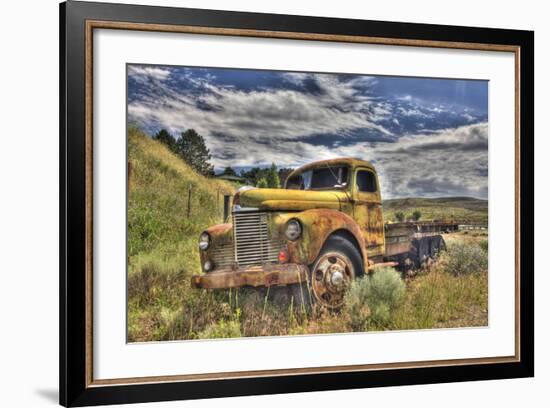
[438, 299]
[171, 310]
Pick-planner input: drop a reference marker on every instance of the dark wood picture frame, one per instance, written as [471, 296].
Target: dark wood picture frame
[77, 22]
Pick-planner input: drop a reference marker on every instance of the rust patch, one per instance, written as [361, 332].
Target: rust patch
[318, 224]
[219, 229]
[257, 275]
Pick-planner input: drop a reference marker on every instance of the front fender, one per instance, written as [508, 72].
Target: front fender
[318, 225]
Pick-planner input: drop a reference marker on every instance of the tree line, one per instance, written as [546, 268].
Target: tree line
[400, 216]
[270, 177]
[191, 147]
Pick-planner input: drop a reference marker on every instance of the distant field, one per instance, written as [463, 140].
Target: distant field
[462, 209]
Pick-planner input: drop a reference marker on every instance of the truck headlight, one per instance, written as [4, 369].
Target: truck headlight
[204, 241]
[293, 230]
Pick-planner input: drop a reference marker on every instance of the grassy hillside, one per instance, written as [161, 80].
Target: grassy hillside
[162, 239]
[465, 209]
[161, 185]
[163, 254]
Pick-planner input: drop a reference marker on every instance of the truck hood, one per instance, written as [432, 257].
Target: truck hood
[277, 199]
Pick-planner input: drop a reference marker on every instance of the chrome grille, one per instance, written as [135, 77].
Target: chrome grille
[251, 237]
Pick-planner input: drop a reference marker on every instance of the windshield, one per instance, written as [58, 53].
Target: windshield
[323, 178]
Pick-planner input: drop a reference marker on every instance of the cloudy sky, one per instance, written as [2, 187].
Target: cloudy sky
[427, 137]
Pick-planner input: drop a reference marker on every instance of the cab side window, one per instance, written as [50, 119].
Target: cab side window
[295, 183]
[366, 181]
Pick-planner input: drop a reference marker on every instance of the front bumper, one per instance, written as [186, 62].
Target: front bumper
[256, 275]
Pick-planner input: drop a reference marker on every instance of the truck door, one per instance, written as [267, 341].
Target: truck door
[368, 210]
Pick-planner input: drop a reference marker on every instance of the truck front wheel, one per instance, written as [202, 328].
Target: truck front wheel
[337, 265]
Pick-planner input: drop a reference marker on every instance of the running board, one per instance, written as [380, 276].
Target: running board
[383, 264]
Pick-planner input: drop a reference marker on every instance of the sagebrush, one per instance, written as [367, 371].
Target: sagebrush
[373, 297]
[462, 258]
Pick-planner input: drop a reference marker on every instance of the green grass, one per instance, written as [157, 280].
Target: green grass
[163, 254]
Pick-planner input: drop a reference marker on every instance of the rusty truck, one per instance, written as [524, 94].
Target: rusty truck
[317, 234]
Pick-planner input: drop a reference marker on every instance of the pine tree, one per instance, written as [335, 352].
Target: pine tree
[166, 138]
[228, 171]
[191, 147]
[273, 177]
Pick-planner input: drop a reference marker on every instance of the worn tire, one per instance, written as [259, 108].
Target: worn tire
[344, 244]
[307, 293]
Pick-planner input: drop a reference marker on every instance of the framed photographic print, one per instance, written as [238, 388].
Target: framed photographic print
[255, 203]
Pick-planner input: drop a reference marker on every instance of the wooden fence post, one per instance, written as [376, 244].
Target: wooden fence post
[189, 201]
[226, 205]
[129, 174]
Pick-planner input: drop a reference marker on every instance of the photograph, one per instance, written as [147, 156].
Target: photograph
[286, 203]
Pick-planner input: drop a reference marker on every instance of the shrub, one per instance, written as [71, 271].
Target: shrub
[372, 298]
[463, 258]
[223, 329]
[399, 216]
[356, 304]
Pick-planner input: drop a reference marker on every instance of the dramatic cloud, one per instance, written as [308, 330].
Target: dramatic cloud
[423, 142]
[145, 73]
[337, 108]
[450, 162]
[444, 163]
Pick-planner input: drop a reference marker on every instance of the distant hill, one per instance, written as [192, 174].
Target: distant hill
[466, 209]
